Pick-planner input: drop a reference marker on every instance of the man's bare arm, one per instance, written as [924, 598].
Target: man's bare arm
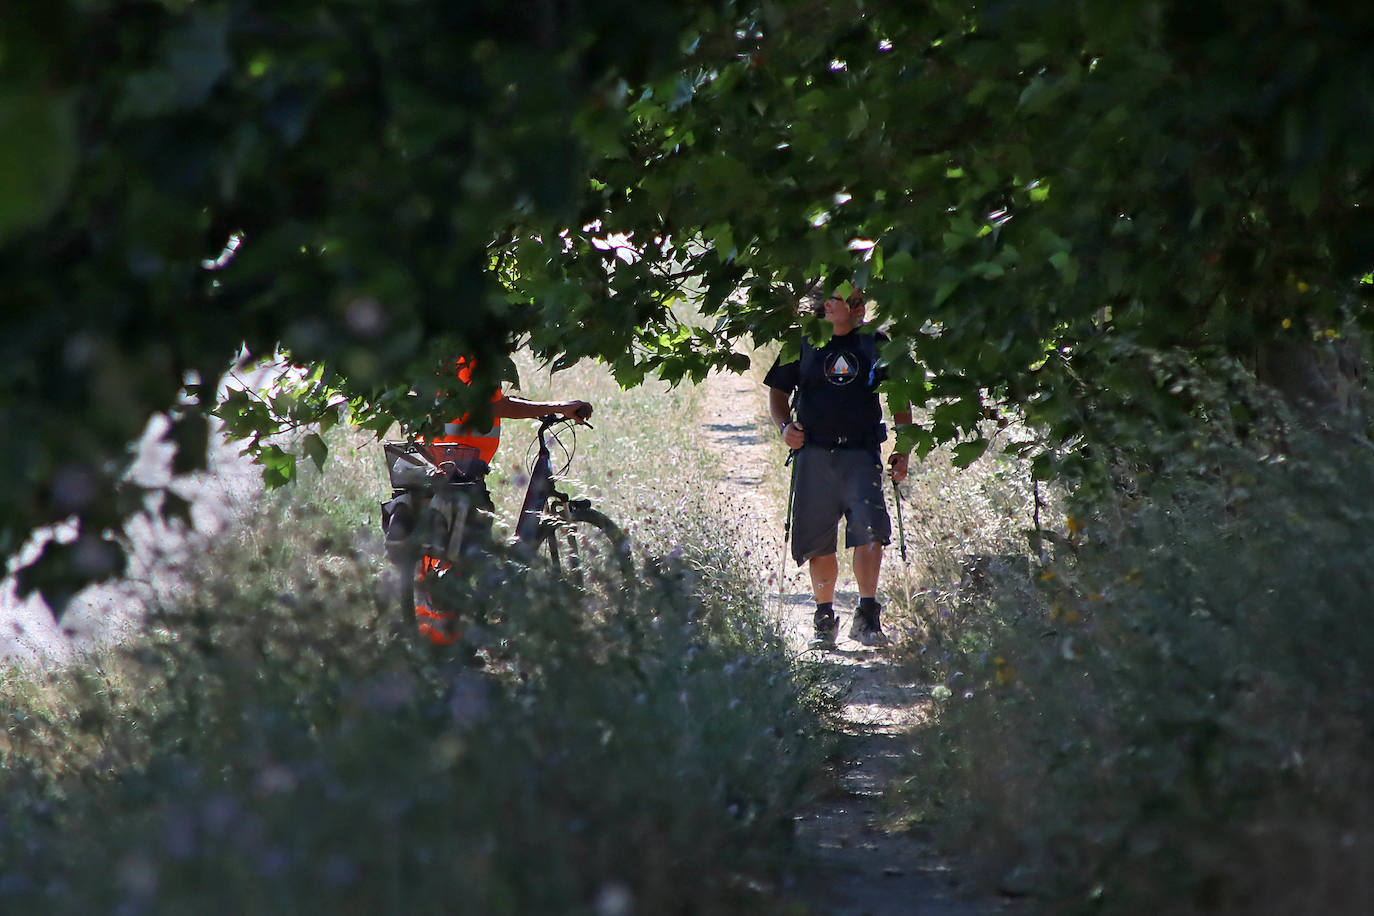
[516, 408]
[899, 460]
[780, 409]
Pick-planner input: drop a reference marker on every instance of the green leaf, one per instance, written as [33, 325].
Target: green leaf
[988, 270]
[314, 448]
[38, 157]
[944, 291]
[278, 467]
[194, 58]
[961, 414]
[723, 237]
[917, 438]
[898, 266]
[1028, 52]
[965, 453]
[858, 120]
[1067, 266]
[791, 350]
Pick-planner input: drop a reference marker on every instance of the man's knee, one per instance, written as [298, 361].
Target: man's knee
[826, 564]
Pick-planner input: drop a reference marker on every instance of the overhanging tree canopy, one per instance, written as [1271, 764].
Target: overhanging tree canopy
[1042, 197]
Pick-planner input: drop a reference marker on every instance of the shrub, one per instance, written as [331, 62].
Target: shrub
[281, 742]
[1183, 721]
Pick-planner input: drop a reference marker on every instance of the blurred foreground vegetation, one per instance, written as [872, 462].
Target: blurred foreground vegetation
[280, 742]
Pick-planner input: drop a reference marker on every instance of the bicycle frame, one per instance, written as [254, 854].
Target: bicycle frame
[541, 486]
[552, 525]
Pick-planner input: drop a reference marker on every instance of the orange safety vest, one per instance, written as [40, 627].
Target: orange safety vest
[486, 441]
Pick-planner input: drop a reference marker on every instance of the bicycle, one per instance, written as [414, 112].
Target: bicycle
[575, 543]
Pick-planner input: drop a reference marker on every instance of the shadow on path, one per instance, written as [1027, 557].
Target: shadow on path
[856, 863]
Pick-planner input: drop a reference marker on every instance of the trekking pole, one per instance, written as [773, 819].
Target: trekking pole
[901, 531]
[786, 526]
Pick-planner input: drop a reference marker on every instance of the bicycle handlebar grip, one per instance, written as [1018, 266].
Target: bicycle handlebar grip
[584, 412]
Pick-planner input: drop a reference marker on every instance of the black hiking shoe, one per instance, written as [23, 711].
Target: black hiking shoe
[826, 628]
[867, 629]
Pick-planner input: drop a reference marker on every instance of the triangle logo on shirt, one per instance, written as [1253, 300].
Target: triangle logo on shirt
[841, 368]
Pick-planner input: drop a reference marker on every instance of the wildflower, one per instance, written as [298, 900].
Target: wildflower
[218, 812]
[614, 899]
[179, 834]
[274, 779]
[339, 870]
[386, 694]
[470, 700]
[138, 875]
[273, 861]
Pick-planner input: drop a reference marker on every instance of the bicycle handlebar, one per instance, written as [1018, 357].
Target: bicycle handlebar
[549, 420]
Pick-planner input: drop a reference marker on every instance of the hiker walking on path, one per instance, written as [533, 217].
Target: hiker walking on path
[836, 437]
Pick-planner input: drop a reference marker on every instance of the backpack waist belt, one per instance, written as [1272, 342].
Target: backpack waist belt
[870, 439]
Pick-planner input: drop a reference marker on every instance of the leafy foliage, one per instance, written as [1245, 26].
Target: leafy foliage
[1041, 197]
[189, 179]
[1180, 719]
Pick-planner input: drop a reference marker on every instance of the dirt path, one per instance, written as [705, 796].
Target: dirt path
[856, 866]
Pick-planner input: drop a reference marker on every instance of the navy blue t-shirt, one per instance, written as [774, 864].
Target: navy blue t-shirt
[839, 388]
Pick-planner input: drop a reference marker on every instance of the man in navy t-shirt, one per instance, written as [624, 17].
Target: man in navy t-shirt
[837, 436]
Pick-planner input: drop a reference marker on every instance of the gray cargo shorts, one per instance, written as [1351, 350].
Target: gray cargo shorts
[834, 484]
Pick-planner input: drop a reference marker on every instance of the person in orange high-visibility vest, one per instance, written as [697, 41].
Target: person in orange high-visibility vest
[504, 406]
[400, 516]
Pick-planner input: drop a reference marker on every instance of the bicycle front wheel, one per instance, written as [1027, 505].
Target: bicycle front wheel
[588, 551]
